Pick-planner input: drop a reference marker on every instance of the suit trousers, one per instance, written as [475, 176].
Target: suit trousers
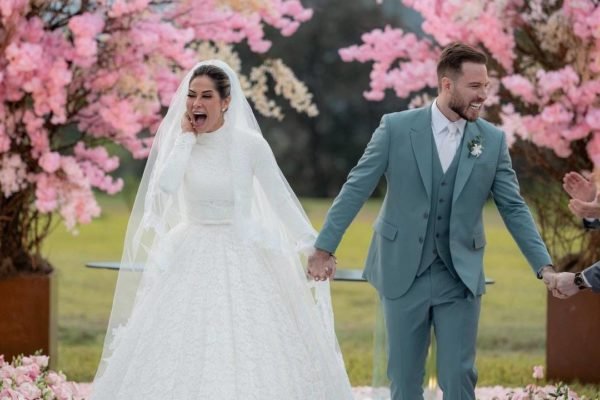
[435, 299]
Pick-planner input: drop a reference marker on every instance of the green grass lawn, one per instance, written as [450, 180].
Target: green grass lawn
[512, 325]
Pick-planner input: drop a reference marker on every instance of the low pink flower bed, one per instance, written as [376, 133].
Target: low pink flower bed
[28, 378]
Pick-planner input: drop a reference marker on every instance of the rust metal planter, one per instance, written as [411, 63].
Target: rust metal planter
[27, 322]
[573, 334]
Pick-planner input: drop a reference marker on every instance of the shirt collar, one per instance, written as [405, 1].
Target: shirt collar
[439, 122]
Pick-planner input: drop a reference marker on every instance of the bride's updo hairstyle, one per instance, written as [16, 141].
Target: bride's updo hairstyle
[217, 75]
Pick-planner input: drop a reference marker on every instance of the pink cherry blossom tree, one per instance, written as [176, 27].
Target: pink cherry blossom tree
[78, 75]
[545, 72]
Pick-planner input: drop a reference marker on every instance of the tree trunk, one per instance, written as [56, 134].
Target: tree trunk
[22, 230]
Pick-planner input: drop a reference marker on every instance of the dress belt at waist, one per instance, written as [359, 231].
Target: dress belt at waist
[209, 213]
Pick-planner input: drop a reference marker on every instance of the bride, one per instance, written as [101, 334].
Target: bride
[212, 300]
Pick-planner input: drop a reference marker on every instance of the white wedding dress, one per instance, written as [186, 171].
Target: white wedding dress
[222, 319]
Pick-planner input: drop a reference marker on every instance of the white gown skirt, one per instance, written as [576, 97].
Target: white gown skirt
[225, 321]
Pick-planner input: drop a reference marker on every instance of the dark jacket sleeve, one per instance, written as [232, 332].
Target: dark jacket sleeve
[594, 224]
[592, 275]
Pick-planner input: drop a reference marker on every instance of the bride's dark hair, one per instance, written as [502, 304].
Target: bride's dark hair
[217, 75]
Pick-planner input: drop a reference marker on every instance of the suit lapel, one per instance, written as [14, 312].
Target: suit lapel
[465, 166]
[421, 138]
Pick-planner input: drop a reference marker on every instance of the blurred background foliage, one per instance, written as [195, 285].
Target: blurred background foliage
[316, 154]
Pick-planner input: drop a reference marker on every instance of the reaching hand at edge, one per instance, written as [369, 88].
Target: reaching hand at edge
[586, 209]
[578, 187]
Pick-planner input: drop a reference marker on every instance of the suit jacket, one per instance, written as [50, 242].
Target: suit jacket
[591, 224]
[400, 149]
[592, 274]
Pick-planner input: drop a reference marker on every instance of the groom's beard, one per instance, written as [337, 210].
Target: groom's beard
[463, 108]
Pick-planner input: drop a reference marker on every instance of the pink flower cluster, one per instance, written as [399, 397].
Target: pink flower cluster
[70, 190]
[407, 64]
[552, 109]
[109, 72]
[28, 378]
[490, 24]
[122, 8]
[538, 372]
[95, 163]
[232, 27]
[568, 110]
[85, 28]
[38, 68]
[585, 18]
[386, 47]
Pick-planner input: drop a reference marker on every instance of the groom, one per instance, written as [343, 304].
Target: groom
[441, 164]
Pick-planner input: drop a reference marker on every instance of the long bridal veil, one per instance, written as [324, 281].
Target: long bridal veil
[256, 221]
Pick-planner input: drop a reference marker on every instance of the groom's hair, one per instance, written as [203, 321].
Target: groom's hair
[452, 58]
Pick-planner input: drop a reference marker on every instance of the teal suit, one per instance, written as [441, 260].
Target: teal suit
[442, 295]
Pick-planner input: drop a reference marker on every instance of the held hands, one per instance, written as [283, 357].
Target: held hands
[321, 265]
[585, 201]
[561, 284]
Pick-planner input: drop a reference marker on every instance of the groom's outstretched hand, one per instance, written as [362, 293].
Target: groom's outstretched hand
[560, 284]
[586, 209]
[565, 285]
[321, 265]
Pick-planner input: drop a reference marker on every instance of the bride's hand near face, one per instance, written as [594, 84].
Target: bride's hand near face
[173, 170]
[186, 123]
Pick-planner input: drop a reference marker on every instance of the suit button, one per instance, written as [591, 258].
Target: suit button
[443, 183]
[426, 215]
[420, 239]
[439, 218]
[441, 200]
[437, 235]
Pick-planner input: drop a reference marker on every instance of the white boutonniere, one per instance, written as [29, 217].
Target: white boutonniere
[475, 147]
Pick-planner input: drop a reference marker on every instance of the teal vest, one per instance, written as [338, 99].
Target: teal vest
[436, 244]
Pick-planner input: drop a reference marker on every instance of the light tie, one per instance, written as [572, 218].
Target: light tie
[449, 150]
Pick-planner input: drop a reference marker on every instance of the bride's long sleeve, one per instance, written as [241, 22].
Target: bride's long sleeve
[268, 174]
[174, 169]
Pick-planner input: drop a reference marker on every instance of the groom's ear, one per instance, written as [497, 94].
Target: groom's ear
[446, 83]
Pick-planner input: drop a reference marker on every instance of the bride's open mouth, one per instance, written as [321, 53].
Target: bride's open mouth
[200, 118]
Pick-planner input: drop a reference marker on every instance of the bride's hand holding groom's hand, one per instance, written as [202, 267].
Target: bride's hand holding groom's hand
[561, 284]
[551, 282]
[551, 279]
[321, 265]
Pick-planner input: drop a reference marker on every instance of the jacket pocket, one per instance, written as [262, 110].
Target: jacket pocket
[479, 241]
[385, 229]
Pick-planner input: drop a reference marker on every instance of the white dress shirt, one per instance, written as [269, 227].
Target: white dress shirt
[447, 135]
